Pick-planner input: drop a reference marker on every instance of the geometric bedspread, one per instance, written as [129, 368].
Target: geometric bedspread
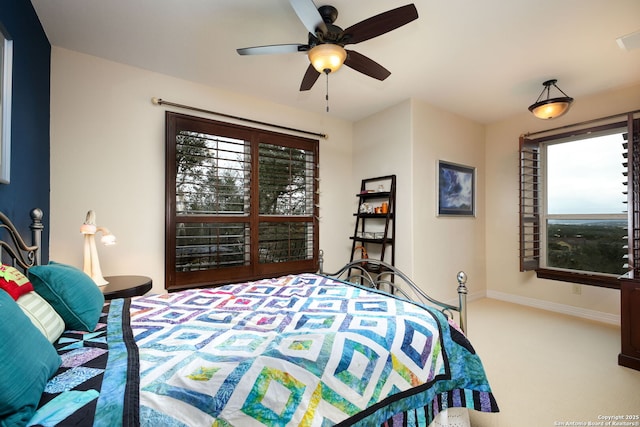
[300, 350]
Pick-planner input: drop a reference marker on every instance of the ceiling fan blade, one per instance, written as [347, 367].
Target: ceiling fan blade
[380, 24]
[365, 65]
[309, 79]
[275, 48]
[309, 15]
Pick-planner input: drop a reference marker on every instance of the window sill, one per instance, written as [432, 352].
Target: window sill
[582, 278]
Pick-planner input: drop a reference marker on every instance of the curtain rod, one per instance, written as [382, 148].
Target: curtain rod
[586, 122]
[160, 101]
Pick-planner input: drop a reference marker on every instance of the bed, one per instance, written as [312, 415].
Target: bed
[315, 349]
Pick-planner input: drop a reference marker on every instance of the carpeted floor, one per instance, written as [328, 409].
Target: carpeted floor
[549, 369]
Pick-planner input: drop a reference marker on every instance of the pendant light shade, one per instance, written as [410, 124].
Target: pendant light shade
[550, 108]
[327, 57]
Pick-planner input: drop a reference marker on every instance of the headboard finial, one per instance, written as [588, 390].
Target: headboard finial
[37, 214]
[36, 233]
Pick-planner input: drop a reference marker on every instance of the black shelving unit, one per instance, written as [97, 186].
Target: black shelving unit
[375, 228]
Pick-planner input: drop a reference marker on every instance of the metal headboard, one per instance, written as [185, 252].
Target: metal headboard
[381, 275]
[20, 254]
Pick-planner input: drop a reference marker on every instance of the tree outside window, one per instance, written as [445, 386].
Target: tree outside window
[241, 203]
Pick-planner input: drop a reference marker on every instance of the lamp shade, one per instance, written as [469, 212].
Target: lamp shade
[550, 108]
[88, 228]
[108, 239]
[327, 57]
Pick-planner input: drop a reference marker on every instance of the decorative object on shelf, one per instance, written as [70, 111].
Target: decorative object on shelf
[370, 234]
[366, 208]
[456, 189]
[550, 108]
[363, 254]
[91, 263]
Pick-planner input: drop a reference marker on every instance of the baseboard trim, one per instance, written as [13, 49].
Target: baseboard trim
[470, 297]
[584, 313]
[476, 295]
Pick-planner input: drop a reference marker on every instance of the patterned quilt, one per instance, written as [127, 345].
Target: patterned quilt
[302, 350]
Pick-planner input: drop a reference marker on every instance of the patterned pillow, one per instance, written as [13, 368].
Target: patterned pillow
[14, 282]
[42, 315]
[72, 293]
[27, 361]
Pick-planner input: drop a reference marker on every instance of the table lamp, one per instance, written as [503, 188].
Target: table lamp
[91, 263]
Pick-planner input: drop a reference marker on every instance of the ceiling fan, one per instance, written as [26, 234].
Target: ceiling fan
[325, 47]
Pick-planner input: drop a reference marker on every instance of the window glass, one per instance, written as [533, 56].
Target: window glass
[286, 180]
[285, 241]
[587, 245]
[212, 174]
[203, 246]
[585, 199]
[586, 176]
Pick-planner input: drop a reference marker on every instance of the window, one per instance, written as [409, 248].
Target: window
[241, 203]
[574, 194]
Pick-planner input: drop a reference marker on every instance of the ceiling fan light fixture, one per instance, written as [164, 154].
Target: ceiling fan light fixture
[550, 108]
[327, 57]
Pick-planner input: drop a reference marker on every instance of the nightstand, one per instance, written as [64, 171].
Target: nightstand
[126, 286]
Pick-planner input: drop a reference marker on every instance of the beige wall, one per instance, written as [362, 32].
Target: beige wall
[503, 277]
[445, 245]
[382, 146]
[107, 154]
[408, 140]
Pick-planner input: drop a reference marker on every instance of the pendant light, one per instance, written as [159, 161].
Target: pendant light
[550, 108]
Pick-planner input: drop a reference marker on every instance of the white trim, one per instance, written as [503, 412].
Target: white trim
[470, 297]
[584, 313]
[476, 296]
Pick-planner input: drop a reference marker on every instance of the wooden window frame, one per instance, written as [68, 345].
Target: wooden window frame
[175, 280]
[530, 197]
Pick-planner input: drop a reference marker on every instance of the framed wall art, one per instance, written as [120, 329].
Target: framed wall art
[456, 189]
[6, 69]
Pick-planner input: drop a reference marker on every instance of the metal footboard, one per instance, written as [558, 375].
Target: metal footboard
[381, 275]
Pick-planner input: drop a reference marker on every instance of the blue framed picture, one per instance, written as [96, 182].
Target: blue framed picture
[456, 189]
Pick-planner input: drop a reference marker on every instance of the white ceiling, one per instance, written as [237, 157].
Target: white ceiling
[485, 60]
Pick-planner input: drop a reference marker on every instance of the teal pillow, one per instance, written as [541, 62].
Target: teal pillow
[27, 361]
[72, 293]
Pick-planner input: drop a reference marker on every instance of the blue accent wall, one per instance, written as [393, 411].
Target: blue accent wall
[30, 178]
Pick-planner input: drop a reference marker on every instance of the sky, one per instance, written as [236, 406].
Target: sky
[585, 176]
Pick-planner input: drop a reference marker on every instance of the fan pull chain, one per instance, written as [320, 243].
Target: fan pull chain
[327, 95]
